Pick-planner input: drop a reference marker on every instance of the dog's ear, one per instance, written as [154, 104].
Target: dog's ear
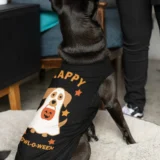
[4, 154]
[93, 9]
[48, 92]
[56, 5]
[67, 99]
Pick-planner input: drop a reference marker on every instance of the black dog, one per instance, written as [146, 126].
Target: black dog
[84, 81]
[84, 43]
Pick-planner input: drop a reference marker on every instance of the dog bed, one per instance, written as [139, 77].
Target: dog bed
[110, 145]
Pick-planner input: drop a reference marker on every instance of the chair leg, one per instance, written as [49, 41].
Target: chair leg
[14, 97]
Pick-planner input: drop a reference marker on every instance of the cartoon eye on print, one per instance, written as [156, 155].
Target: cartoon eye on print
[54, 94]
[60, 96]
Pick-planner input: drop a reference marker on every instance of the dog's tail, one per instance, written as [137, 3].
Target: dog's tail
[4, 154]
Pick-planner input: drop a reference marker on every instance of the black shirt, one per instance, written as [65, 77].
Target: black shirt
[69, 106]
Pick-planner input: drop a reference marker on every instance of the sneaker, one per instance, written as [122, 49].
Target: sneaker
[133, 111]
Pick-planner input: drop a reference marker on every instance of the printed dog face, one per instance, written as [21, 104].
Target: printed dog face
[57, 95]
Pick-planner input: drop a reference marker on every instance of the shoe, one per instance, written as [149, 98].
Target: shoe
[133, 111]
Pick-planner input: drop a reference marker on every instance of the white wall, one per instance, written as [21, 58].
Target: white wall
[154, 52]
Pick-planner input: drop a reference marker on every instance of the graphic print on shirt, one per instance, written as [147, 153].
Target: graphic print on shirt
[75, 108]
[46, 120]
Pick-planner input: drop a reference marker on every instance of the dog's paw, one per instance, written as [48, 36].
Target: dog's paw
[90, 137]
[128, 138]
[95, 138]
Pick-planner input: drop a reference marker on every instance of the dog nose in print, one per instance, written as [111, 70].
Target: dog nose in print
[53, 101]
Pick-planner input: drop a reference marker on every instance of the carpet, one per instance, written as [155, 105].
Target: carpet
[110, 145]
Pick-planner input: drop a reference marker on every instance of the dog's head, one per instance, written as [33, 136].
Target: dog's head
[82, 34]
[87, 7]
[54, 99]
[57, 96]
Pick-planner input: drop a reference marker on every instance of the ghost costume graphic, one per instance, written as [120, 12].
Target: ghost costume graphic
[46, 121]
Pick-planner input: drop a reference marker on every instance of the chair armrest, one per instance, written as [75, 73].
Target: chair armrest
[101, 14]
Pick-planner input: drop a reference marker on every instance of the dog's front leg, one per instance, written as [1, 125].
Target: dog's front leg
[107, 92]
[116, 113]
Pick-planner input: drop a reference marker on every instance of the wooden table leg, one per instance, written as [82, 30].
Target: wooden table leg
[14, 97]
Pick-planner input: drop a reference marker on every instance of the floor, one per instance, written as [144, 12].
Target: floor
[32, 91]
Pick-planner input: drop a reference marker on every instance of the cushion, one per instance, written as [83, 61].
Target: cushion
[113, 28]
[110, 145]
[50, 41]
[110, 3]
[44, 4]
[48, 20]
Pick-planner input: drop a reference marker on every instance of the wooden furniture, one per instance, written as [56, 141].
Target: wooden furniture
[13, 93]
[101, 14]
[20, 48]
[50, 63]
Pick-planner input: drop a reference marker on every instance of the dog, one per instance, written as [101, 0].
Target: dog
[84, 43]
[88, 77]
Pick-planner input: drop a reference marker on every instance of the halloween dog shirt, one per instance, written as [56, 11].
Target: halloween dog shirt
[65, 113]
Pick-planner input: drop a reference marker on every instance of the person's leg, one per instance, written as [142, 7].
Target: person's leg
[136, 22]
